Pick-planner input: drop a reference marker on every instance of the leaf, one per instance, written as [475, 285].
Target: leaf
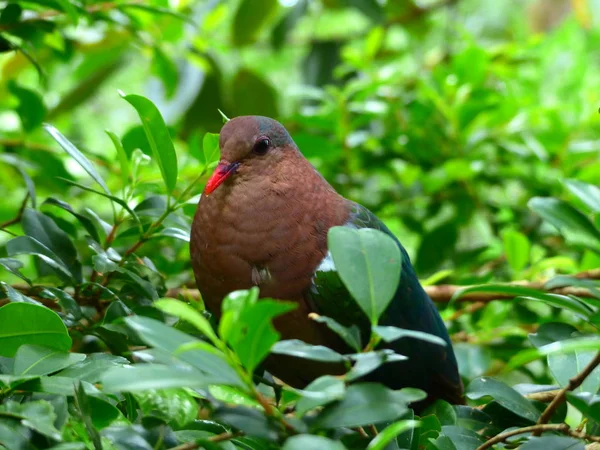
[516, 248]
[253, 95]
[92, 367]
[587, 193]
[320, 392]
[254, 335]
[86, 222]
[311, 442]
[210, 148]
[443, 411]
[13, 266]
[350, 335]
[165, 69]
[552, 442]
[176, 407]
[390, 334]
[504, 395]
[369, 264]
[31, 109]
[45, 231]
[566, 365]
[249, 18]
[39, 360]
[114, 199]
[209, 361]
[158, 137]
[300, 349]
[141, 377]
[37, 415]
[176, 233]
[25, 245]
[24, 323]
[587, 403]
[364, 404]
[121, 156]
[186, 312]
[566, 346]
[77, 156]
[390, 432]
[368, 362]
[29, 184]
[571, 223]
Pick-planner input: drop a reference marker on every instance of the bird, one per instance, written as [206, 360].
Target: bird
[263, 219]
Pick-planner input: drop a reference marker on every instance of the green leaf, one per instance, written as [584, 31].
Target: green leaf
[390, 432]
[443, 411]
[572, 224]
[504, 395]
[177, 407]
[254, 335]
[587, 403]
[24, 323]
[114, 199]
[210, 148]
[158, 137]
[102, 412]
[311, 442]
[77, 156]
[565, 366]
[249, 19]
[186, 312]
[25, 245]
[368, 362]
[364, 404]
[208, 360]
[13, 266]
[300, 349]
[516, 248]
[589, 194]
[45, 231]
[350, 335]
[39, 360]
[121, 156]
[369, 264]
[553, 442]
[38, 415]
[165, 69]
[141, 377]
[390, 334]
[83, 220]
[320, 392]
[92, 368]
[31, 109]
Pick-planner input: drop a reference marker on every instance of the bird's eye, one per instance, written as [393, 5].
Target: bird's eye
[261, 146]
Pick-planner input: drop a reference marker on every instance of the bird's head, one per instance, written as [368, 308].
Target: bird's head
[250, 145]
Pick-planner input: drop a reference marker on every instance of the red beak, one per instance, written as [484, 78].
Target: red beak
[221, 173]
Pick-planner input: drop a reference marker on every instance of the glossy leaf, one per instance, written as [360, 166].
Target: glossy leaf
[300, 349]
[311, 442]
[589, 194]
[363, 404]
[350, 335]
[39, 360]
[24, 323]
[121, 156]
[369, 264]
[390, 432]
[320, 392]
[249, 18]
[158, 137]
[504, 395]
[77, 156]
[391, 334]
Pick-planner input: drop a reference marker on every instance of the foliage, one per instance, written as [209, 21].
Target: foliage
[474, 139]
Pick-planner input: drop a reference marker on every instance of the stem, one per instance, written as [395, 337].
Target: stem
[17, 218]
[540, 428]
[216, 438]
[574, 383]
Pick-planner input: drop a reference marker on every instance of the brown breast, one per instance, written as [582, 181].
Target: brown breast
[269, 232]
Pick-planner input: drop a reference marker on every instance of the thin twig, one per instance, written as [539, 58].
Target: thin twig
[544, 396]
[17, 218]
[573, 383]
[540, 428]
[217, 438]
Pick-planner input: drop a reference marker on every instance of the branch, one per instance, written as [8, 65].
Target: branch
[544, 396]
[216, 438]
[574, 383]
[17, 218]
[443, 293]
[540, 428]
